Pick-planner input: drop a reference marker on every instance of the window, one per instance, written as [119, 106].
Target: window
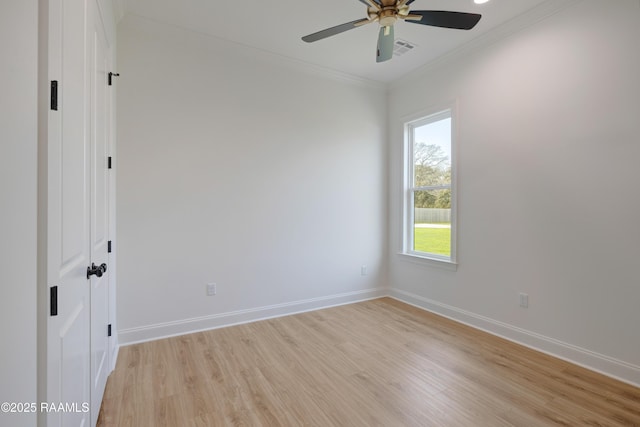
[429, 208]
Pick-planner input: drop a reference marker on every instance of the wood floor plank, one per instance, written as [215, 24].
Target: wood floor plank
[375, 363]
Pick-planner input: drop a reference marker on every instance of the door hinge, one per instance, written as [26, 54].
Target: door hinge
[54, 95]
[53, 301]
[109, 162]
[109, 246]
[109, 330]
[111, 75]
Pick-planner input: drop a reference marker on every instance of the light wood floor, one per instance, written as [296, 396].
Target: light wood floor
[376, 363]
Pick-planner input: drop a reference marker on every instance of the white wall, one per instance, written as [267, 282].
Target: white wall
[245, 169]
[18, 195]
[549, 142]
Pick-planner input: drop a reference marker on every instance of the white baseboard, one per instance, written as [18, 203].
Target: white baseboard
[605, 365]
[187, 326]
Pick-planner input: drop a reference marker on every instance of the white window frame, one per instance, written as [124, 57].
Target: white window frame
[411, 123]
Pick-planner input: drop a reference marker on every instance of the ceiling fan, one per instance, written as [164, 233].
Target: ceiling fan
[387, 12]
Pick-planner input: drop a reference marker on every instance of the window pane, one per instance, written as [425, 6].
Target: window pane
[432, 153]
[432, 222]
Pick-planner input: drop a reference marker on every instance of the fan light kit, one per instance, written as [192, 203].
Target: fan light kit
[387, 12]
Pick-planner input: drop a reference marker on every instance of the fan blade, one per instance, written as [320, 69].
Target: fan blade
[385, 44]
[445, 19]
[335, 30]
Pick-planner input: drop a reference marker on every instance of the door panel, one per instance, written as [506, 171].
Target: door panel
[99, 210]
[74, 386]
[68, 208]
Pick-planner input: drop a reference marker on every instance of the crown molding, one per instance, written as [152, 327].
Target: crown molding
[137, 21]
[515, 25]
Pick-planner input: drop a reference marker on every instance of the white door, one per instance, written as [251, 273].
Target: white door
[77, 209]
[100, 127]
[68, 213]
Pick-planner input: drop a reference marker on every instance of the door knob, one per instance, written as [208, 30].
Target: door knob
[97, 270]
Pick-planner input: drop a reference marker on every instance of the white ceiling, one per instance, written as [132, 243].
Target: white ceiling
[276, 26]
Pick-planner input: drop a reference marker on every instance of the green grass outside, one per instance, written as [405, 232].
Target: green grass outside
[432, 240]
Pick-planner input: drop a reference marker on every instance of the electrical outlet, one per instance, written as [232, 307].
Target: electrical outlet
[524, 300]
[363, 270]
[211, 289]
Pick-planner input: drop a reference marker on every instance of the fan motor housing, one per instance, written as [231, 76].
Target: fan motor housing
[388, 16]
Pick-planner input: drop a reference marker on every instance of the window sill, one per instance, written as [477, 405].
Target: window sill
[427, 261]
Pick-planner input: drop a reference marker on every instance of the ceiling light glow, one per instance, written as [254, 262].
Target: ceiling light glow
[480, 1]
